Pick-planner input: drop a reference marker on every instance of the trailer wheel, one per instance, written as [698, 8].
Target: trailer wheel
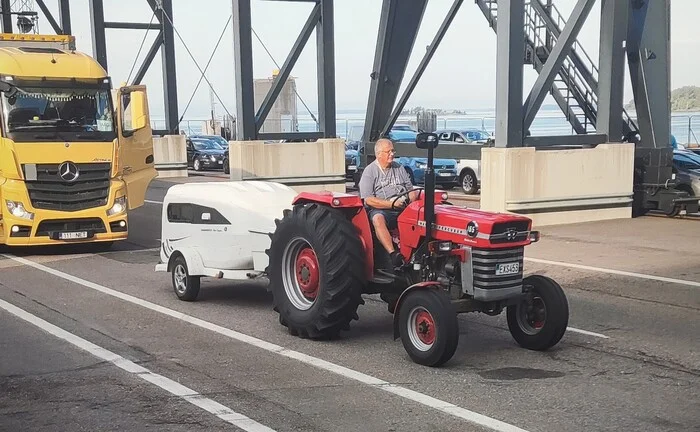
[186, 287]
[316, 271]
[540, 320]
[428, 327]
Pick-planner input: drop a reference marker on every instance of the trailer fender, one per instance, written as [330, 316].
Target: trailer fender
[417, 286]
[195, 265]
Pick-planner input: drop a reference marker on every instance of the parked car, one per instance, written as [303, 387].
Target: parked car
[204, 154]
[445, 171]
[469, 169]
[216, 138]
[686, 166]
[352, 162]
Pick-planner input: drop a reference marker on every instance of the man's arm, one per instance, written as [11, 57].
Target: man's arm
[406, 183]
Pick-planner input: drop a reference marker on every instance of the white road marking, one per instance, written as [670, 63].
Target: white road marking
[617, 272]
[414, 396]
[175, 388]
[153, 202]
[586, 332]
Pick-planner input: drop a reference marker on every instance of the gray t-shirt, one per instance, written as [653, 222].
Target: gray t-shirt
[384, 184]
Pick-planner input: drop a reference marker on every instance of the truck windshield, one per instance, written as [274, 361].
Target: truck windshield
[42, 113]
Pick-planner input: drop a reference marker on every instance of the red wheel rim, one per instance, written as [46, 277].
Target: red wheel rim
[425, 327]
[307, 273]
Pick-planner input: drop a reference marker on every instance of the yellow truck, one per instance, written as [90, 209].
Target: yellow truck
[75, 154]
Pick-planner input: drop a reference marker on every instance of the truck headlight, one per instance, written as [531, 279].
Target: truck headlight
[17, 209]
[118, 207]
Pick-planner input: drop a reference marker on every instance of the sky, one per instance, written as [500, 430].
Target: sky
[460, 76]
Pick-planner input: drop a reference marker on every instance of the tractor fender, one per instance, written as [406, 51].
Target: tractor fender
[417, 286]
[195, 265]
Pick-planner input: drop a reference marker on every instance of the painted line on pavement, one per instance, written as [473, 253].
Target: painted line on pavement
[586, 332]
[616, 272]
[153, 202]
[223, 412]
[412, 395]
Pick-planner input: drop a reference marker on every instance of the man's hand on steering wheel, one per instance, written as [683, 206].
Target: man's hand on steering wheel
[401, 201]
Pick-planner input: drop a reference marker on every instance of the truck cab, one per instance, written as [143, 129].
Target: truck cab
[75, 153]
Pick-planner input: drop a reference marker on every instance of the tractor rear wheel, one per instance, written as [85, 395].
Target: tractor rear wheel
[316, 270]
[428, 327]
[540, 320]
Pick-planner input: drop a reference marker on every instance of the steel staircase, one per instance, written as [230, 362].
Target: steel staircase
[575, 88]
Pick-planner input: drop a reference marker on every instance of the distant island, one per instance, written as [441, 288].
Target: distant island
[682, 99]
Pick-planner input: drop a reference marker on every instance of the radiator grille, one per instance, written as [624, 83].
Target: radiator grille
[50, 192]
[46, 227]
[485, 262]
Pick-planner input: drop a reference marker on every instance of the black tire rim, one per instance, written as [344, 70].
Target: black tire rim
[532, 315]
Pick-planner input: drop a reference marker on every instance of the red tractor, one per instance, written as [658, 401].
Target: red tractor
[323, 256]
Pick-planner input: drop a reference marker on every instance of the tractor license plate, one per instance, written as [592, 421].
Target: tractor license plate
[507, 269]
[73, 235]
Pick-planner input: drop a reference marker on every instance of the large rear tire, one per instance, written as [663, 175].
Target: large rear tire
[428, 327]
[316, 270]
[540, 320]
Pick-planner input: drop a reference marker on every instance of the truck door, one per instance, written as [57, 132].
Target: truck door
[135, 157]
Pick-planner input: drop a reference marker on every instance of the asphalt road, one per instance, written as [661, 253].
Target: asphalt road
[102, 343]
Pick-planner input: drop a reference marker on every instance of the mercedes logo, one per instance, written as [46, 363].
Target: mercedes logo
[68, 171]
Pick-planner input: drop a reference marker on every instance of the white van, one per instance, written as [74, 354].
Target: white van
[219, 230]
[469, 169]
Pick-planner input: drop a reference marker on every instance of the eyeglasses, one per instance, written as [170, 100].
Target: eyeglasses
[388, 151]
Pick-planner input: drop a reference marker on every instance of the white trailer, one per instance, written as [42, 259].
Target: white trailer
[219, 230]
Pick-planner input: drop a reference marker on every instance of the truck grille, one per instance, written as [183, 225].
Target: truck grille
[46, 227]
[484, 265]
[50, 192]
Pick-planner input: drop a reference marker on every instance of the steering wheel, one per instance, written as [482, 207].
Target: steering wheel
[406, 193]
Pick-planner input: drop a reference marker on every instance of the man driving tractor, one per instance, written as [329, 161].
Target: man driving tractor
[381, 182]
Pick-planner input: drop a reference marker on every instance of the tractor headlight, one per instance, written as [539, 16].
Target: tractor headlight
[534, 236]
[17, 209]
[119, 206]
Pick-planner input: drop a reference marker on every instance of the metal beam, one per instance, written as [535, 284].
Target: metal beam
[275, 136]
[611, 75]
[287, 67]
[64, 17]
[510, 46]
[97, 22]
[149, 59]
[242, 54]
[6, 17]
[49, 17]
[165, 16]
[325, 64]
[649, 64]
[398, 27]
[581, 140]
[551, 67]
[422, 66]
[132, 26]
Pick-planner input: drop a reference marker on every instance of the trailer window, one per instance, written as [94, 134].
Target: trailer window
[180, 213]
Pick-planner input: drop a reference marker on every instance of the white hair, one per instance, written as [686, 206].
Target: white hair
[380, 142]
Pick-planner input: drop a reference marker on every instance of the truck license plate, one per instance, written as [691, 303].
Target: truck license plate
[72, 235]
[507, 269]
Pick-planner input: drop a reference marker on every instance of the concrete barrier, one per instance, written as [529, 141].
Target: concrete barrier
[304, 166]
[170, 156]
[559, 186]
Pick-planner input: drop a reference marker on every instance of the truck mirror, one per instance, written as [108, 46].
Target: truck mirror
[426, 140]
[138, 110]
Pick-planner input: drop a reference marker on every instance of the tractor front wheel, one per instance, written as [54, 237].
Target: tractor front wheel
[428, 327]
[540, 320]
[316, 271]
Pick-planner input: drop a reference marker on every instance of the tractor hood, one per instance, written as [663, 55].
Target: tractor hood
[14, 156]
[472, 227]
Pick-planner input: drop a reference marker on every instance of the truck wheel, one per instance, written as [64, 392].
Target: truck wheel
[316, 271]
[186, 287]
[428, 327]
[468, 182]
[540, 320]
